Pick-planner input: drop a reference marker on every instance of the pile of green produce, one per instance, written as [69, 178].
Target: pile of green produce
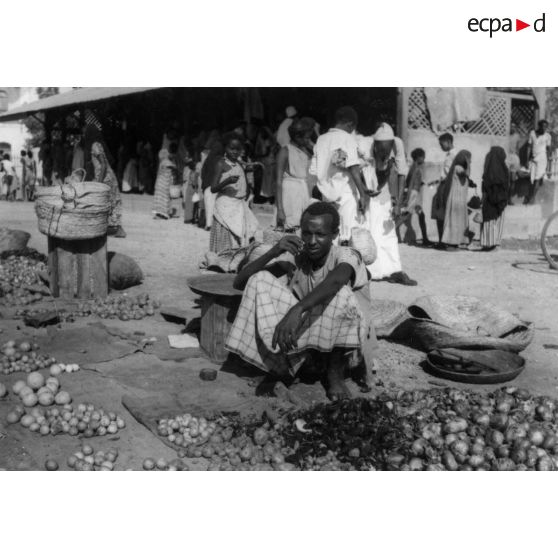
[22, 357]
[19, 280]
[436, 430]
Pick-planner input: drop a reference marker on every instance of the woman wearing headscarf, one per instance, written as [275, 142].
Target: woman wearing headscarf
[450, 202]
[293, 162]
[166, 177]
[102, 172]
[495, 187]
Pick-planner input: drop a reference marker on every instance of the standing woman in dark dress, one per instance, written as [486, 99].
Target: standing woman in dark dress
[495, 188]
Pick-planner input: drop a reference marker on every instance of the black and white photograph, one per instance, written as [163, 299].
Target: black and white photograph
[252, 279]
[278, 279]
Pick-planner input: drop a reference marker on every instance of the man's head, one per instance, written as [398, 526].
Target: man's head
[346, 118]
[446, 142]
[319, 226]
[418, 155]
[543, 126]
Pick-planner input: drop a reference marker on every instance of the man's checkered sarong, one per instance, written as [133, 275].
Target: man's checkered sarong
[266, 301]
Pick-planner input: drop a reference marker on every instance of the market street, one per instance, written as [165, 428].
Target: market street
[169, 252]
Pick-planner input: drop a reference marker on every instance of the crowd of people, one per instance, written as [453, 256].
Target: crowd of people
[220, 175]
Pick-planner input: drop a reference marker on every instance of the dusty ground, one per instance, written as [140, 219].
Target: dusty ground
[517, 280]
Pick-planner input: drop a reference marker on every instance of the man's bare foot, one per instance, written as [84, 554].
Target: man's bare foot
[336, 387]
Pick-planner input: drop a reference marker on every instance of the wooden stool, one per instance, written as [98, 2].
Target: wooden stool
[78, 268]
[219, 305]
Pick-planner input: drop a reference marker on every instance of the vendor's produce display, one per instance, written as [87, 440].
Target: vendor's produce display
[19, 281]
[123, 307]
[22, 357]
[76, 420]
[228, 443]
[36, 390]
[161, 464]
[87, 459]
[432, 430]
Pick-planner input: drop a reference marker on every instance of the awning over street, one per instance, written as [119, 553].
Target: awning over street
[71, 98]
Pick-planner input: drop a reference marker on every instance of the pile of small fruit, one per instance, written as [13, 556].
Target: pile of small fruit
[162, 464]
[228, 443]
[186, 429]
[123, 307]
[38, 390]
[22, 357]
[17, 273]
[87, 459]
[79, 420]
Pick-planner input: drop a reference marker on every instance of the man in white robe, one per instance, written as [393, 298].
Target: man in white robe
[336, 166]
[383, 156]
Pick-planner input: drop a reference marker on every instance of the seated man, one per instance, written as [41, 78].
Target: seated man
[313, 300]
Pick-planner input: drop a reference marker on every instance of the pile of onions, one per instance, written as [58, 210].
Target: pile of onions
[22, 357]
[435, 430]
[76, 420]
[87, 459]
[17, 273]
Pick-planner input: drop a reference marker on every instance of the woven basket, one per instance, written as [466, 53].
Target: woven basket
[76, 195]
[71, 224]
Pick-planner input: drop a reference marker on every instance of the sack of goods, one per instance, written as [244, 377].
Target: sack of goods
[362, 241]
[73, 211]
[124, 272]
[13, 240]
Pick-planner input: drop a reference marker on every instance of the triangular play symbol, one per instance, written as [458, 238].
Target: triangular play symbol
[519, 25]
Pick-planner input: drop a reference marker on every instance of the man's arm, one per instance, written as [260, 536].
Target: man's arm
[289, 243]
[286, 332]
[282, 160]
[364, 201]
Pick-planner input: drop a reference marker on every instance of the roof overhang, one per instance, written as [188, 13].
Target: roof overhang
[82, 96]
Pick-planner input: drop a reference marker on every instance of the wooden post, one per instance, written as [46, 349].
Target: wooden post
[217, 316]
[78, 268]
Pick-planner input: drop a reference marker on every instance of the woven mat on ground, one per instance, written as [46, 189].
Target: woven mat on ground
[88, 345]
[148, 410]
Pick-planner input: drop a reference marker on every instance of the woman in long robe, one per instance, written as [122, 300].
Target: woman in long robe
[102, 172]
[450, 202]
[495, 190]
[165, 179]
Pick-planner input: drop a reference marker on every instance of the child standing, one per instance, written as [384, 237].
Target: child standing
[414, 183]
[234, 225]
